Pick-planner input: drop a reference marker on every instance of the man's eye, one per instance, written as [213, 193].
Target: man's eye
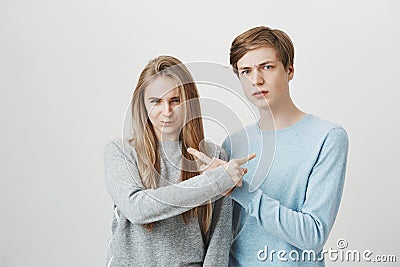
[267, 67]
[245, 72]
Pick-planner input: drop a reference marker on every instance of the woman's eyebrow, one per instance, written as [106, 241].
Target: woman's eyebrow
[158, 98]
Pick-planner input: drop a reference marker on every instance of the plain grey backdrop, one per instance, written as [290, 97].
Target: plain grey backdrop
[67, 72]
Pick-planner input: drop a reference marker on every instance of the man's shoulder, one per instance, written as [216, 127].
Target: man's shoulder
[318, 126]
[321, 131]
[318, 122]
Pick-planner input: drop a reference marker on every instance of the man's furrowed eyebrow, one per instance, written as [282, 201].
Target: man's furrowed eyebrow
[244, 68]
[266, 62]
[259, 64]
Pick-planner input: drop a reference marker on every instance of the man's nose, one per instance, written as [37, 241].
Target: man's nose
[257, 78]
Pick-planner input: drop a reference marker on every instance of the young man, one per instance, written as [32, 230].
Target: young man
[287, 219]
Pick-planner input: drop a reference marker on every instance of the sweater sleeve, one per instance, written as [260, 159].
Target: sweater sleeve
[220, 238]
[141, 206]
[309, 228]
[220, 233]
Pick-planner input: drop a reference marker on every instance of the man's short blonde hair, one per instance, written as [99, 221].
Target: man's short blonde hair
[262, 37]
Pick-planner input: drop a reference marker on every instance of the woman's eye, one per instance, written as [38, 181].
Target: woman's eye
[176, 101]
[155, 101]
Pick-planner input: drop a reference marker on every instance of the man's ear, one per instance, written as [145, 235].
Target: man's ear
[290, 71]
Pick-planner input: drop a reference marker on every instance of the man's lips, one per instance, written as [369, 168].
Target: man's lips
[261, 93]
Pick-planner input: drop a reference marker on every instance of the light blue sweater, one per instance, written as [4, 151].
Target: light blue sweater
[296, 204]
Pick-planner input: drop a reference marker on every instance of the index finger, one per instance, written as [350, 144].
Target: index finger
[246, 159]
[201, 156]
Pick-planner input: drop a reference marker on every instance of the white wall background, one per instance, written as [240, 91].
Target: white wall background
[67, 71]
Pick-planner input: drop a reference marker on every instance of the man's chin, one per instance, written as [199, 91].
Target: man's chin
[260, 103]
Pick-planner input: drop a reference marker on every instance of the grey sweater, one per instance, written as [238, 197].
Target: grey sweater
[171, 242]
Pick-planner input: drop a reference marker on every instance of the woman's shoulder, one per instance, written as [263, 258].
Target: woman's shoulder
[120, 146]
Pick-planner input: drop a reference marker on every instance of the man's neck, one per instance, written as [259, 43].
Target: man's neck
[280, 117]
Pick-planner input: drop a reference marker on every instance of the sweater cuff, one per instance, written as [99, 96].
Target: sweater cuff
[221, 179]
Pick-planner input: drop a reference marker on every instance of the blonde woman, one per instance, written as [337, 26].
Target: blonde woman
[163, 209]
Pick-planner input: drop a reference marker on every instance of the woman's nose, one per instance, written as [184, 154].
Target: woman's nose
[167, 109]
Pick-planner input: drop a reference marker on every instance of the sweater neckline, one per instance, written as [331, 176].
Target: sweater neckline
[169, 143]
[288, 128]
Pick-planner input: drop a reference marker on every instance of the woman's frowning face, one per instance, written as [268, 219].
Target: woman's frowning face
[163, 104]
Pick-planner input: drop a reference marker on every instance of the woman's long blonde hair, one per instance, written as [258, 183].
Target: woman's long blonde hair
[145, 141]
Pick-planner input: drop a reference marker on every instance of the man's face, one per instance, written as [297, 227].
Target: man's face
[264, 78]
